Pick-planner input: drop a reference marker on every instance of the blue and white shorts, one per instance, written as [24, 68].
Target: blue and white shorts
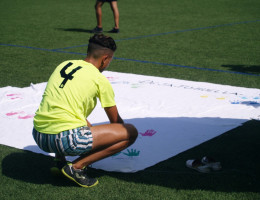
[72, 142]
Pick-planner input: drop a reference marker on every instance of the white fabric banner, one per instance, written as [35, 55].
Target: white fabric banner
[171, 116]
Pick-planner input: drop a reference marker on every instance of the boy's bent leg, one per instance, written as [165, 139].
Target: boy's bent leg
[58, 163]
[108, 139]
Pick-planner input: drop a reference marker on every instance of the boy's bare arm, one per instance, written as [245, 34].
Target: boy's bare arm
[113, 115]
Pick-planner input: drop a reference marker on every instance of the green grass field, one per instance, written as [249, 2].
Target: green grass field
[209, 41]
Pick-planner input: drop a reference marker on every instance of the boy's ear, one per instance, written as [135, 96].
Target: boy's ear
[106, 57]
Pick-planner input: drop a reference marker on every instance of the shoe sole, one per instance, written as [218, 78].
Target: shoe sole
[214, 166]
[211, 163]
[68, 176]
[200, 170]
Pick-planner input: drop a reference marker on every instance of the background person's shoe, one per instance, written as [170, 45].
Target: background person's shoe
[114, 30]
[79, 176]
[212, 163]
[97, 30]
[197, 165]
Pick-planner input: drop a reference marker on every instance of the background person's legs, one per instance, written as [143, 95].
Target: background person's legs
[108, 139]
[98, 8]
[115, 10]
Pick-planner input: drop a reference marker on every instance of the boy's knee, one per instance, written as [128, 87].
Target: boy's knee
[133, 133]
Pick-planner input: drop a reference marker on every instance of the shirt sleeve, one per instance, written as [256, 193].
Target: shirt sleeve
[106, 93]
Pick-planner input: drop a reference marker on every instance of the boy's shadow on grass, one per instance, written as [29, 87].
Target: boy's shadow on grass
[237, 150]
[33, 168]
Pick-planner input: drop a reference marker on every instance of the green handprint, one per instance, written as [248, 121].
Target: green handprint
[133, 152]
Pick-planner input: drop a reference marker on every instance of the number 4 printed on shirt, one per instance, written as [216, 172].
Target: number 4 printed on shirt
[67, 76]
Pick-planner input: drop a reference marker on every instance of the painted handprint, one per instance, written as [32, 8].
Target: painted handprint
[131, 153]
[111, 78]
[14, 96]
[149, 132]
[14, 113]
[20, 115]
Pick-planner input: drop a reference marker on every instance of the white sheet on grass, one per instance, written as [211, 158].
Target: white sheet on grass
[171, 116]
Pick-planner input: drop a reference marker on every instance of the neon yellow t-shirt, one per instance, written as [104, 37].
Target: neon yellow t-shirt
[70, 96]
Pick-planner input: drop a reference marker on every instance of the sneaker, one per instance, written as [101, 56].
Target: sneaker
[197, 165]
[212, 163]
[97, 30]
[114, 30]
[79, 176]
[57, 166]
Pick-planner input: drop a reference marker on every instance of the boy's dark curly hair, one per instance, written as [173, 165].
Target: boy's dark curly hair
[104, 41]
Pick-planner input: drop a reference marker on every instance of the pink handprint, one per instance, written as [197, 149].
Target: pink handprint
[21, 115]
[25, 117]
[111, 78]
[14, 96]
[13, 113]
[149, 132]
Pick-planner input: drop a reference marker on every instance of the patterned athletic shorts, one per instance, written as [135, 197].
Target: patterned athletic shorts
[72, 142]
